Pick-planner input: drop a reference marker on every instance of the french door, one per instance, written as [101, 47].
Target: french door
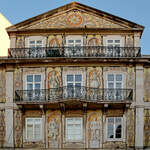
[74, 46]
[115, 85]
[74, 83]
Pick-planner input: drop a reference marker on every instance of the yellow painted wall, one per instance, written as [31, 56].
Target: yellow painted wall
[4, 39]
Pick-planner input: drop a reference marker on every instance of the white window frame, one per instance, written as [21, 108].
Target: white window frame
[35, 44]
[33, 83]
[74, 82]
[35, 38]
[74, 140]
[115, 80]
[74, 70]
[35, 52]
[111, 50]
[122, 130]
[114, 37]
[74, 38]
[26, 124]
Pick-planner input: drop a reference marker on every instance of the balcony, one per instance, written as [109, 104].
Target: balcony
[84, 51]
[74, 93]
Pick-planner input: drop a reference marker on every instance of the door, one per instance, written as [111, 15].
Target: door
[74, 46]
[74, 83]
[114, 85]
[33, 86]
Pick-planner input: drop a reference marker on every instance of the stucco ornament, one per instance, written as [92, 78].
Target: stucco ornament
[53, 80]
[74, 19]
[53, 133]
[94, 80]
[18, 128]
[94, 85]
[95, 134]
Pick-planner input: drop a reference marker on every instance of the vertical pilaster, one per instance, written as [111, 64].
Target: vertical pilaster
[43, 128]
[9, 110]
[139, 107]
[136, 39]
[13, 42]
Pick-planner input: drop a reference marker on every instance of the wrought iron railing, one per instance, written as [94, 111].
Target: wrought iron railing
[69, 93]
[78, 51]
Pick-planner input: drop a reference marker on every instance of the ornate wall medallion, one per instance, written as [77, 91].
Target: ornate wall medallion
[74, 19]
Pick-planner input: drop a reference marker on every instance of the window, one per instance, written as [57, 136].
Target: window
[74, 44]
[73, 129]
[114, 47]
[114, 128]
[35, 43]
[114, 85]
[113, 43]
[33, 129]
[33, 86]
[74, 83]
[35, 48]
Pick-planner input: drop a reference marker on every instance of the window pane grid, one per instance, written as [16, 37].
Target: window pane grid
[34, 43]
[33, 82]
[73, 128]
[114, 81]
[114, 128]
[33, 128]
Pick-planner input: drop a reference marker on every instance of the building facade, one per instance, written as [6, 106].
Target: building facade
[75, 78]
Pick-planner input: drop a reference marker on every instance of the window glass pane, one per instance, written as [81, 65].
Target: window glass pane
[69, 84]
[70, 41]
[29, 86]
[118, 85]
[110, 77]
[69, 77]
[118, 77]
[118, 131]
[117, 41]
[37, 131]
[69, 120]
[78, 77]
[118, 120]
[111, 120]
[37, 78]
[78, 85]
[37, 121]
[110, 41]
[110, 131]
[37, 86]
[29, 131]
[29, 121]
[78, 41]
[111, 85]
[29, 78]
[39, 42]
[32, 42]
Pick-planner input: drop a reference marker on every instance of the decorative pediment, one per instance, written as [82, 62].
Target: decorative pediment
[74, 15]
[74, 19]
